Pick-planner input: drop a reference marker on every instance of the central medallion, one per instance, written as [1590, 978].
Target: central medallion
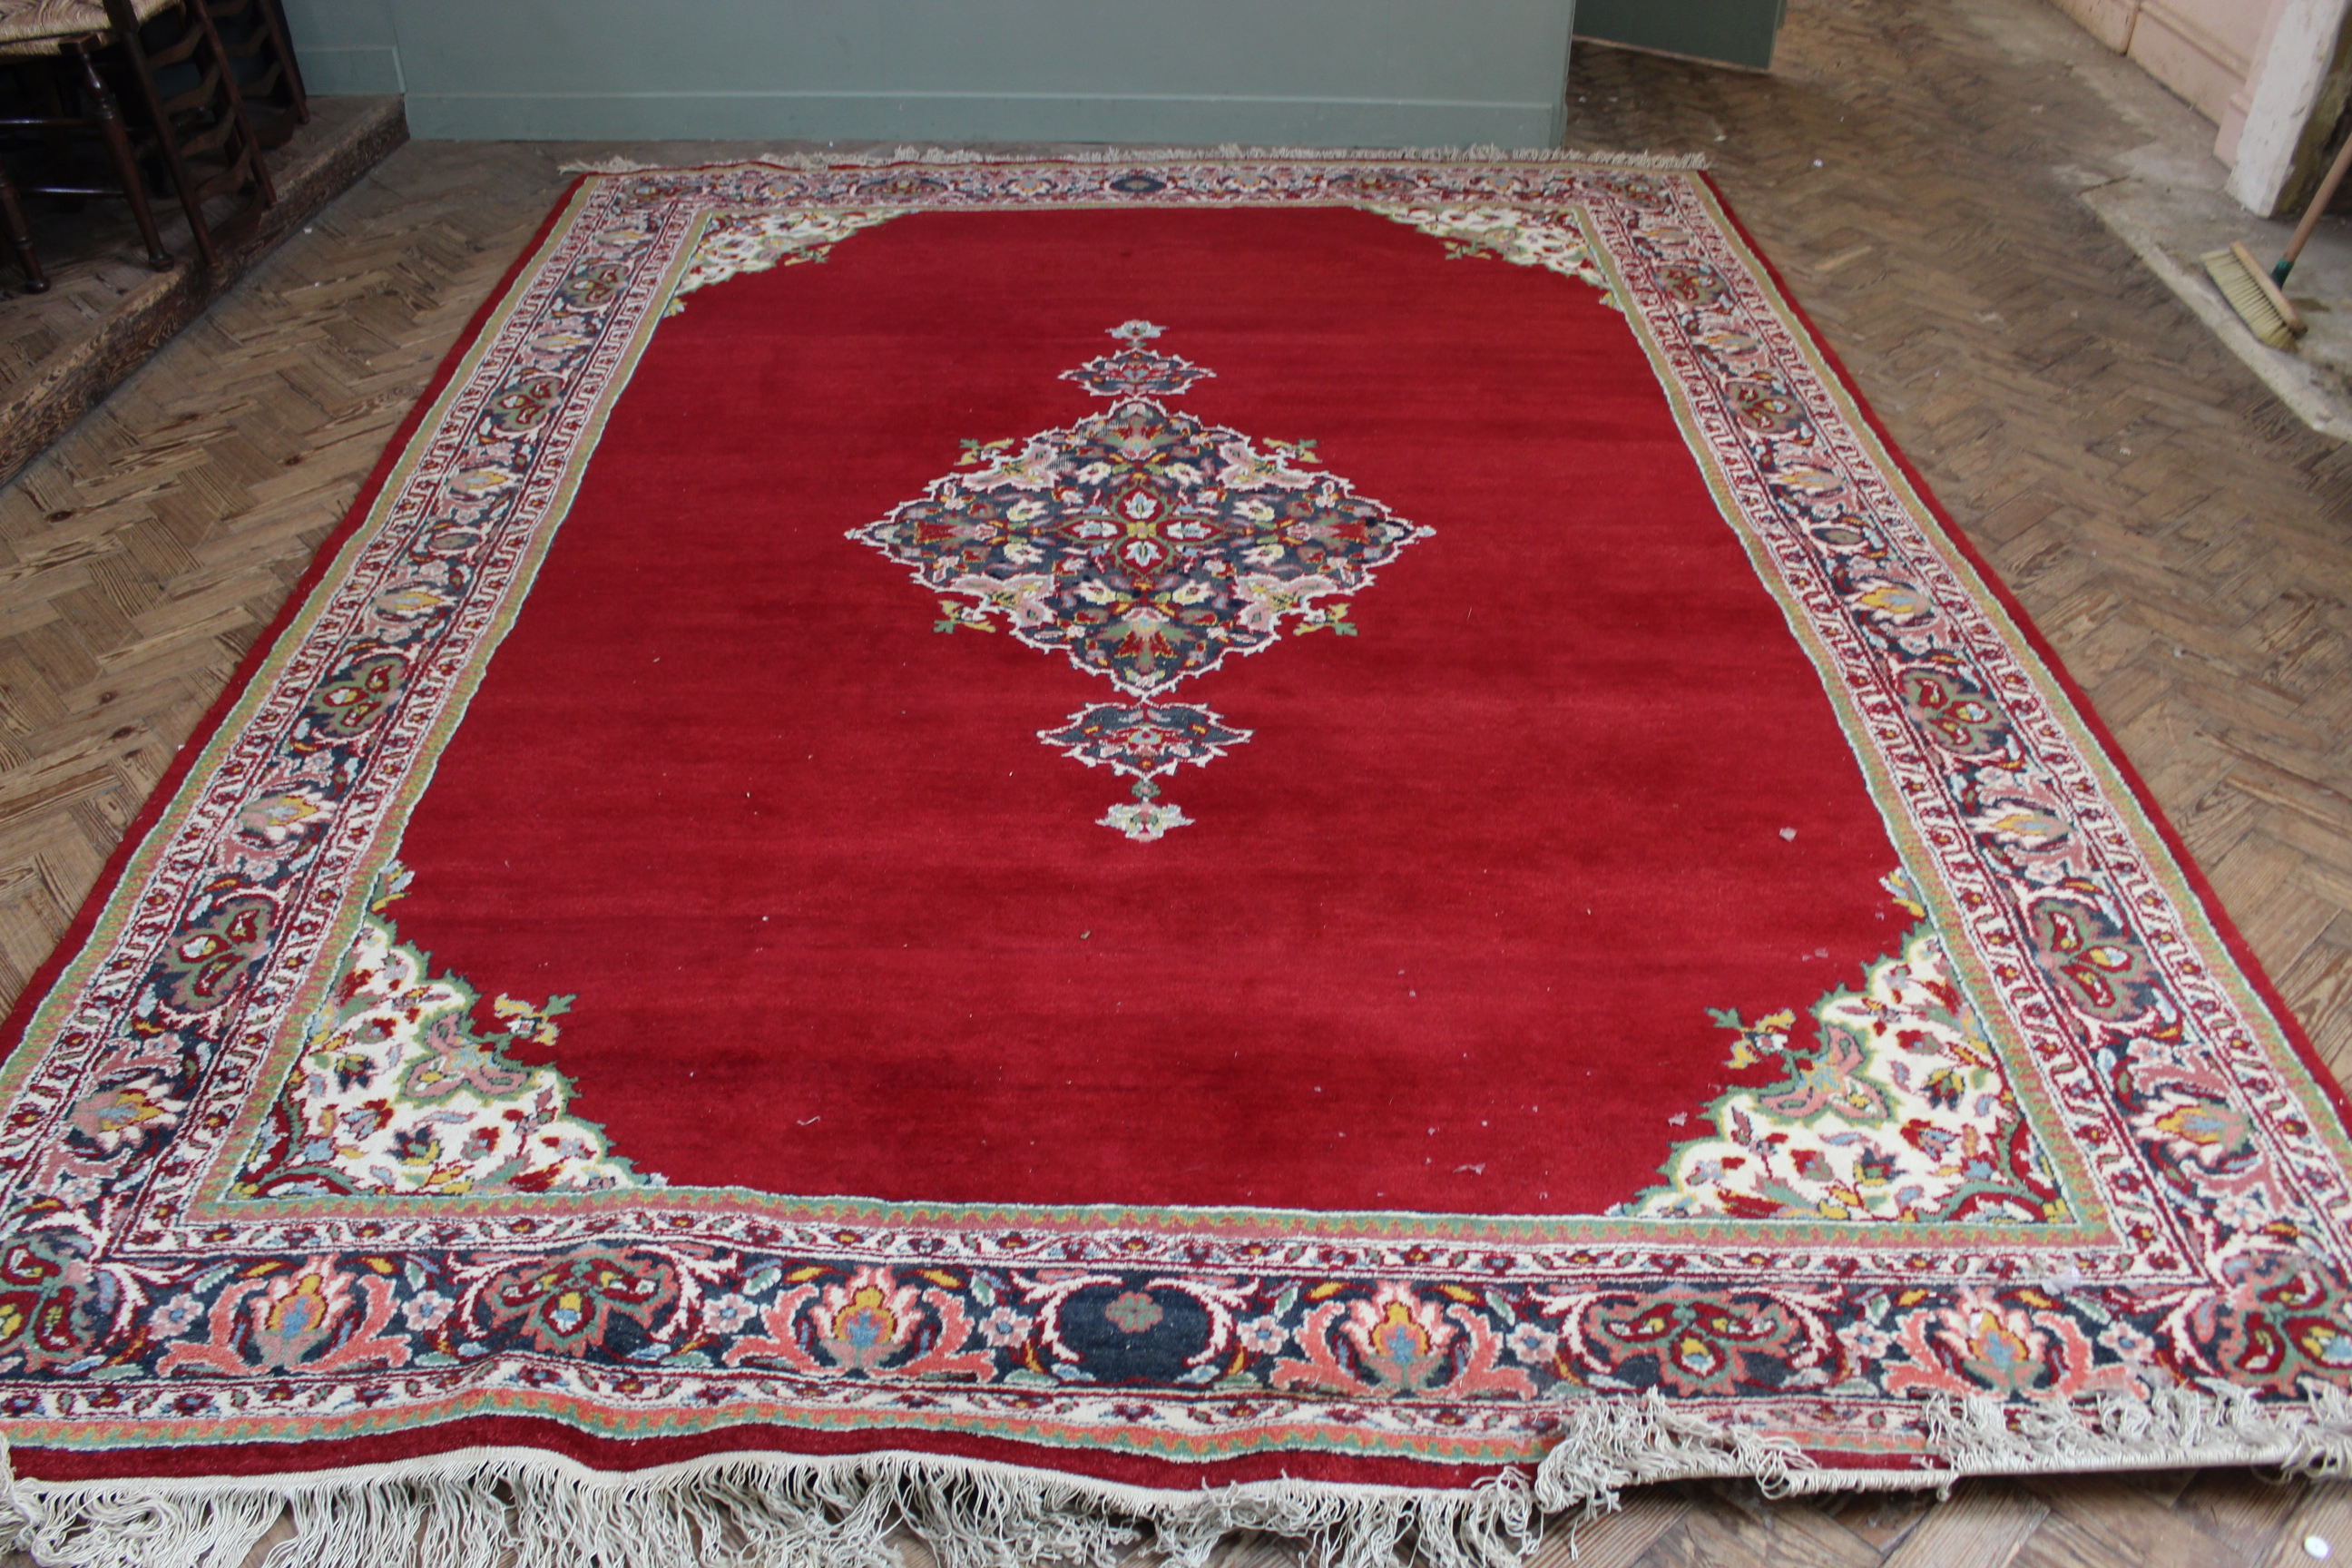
[1145, 545]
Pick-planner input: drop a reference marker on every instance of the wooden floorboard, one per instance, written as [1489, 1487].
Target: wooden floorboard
[1910, 167]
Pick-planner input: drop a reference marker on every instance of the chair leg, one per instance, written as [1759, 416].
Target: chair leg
[109, 119]
[20, 239]
[167, 140]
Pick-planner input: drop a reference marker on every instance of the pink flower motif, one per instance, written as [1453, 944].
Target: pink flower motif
[295, 1315]
[131, 1113]
[451, 1058]
[426, 1310]
[862, 1323]
[1399, 1337]
[1264, 1336]
[176, 1316]
[312, 1317]
[728, 1313]
[1982, 1344]
[1005, 1327]
[1531, 1344]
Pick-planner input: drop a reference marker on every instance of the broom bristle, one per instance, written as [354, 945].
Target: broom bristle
[2249, 298]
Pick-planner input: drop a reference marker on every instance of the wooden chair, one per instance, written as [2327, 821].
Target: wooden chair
[199, 134]
[20, 239]
[65, 85]
[206, 121]
[254, 34]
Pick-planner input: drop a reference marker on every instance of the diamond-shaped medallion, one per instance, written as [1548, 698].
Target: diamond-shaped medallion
[1145, 545]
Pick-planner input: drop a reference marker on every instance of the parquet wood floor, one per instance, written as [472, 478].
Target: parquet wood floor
[1910, 165]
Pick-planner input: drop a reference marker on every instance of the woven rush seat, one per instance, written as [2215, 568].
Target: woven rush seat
[32, 28]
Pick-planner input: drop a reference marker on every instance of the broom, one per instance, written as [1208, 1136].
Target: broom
[2255, 293]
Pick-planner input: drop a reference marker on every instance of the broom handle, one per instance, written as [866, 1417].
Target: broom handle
[2318, 203]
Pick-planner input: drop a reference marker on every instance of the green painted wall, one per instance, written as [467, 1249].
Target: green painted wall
[1301, 72]
[345, 46]
[1739, 32]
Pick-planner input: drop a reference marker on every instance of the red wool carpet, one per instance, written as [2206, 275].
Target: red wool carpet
[1011, 838]
[729, 758]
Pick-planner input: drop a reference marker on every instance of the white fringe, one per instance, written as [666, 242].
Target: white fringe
[517, 1508]
[1228, 152]
[2179, 1428]
[513, 1507]
[1610, 1444]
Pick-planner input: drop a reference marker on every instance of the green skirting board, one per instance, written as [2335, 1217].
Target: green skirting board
[1737, 32]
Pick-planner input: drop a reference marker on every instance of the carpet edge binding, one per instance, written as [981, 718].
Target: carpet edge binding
[515, 1508]
[877, 158]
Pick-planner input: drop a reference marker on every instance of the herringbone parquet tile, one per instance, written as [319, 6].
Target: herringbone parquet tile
[1910, 165]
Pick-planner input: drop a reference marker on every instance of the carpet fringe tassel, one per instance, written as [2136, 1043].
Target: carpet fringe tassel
[509, 1508]
[1610, 1444]
[878, 158]
[2176, 1429]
